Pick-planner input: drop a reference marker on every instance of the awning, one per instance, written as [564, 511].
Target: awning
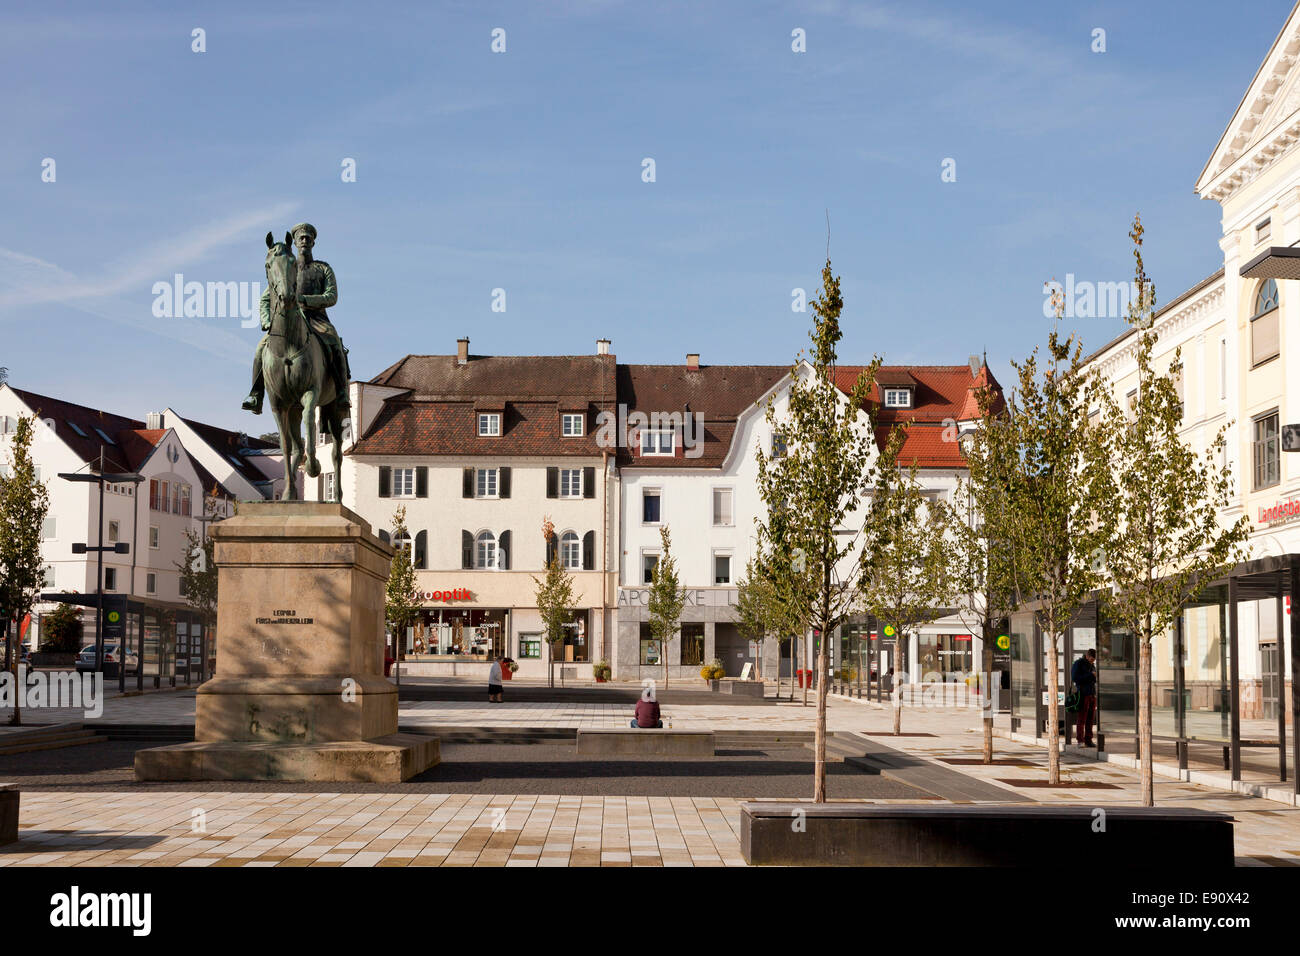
[1275, 262]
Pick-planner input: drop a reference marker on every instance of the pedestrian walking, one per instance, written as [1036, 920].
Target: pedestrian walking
[1084, 676]
[494, 681]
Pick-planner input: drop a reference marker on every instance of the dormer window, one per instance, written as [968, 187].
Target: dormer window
[489, 424]
[571, 424]
[898, 398]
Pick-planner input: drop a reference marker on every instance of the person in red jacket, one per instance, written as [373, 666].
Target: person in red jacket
[647, 713]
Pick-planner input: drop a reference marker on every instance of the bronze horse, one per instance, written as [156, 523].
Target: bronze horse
[298, 382]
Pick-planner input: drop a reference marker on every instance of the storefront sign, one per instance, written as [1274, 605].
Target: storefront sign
[1280, 513]
[695, 597]
[455, 594]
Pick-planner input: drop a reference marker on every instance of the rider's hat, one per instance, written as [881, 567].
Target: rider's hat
[305, 227]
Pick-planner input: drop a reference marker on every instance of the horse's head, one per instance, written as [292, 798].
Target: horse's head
[281, 269]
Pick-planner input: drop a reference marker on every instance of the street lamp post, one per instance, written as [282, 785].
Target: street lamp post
[119, 548]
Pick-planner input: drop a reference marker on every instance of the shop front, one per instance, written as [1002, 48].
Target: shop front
[1219, 675]
[708, 632]
[463, 624]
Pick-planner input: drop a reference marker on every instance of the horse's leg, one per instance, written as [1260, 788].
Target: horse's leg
[309, 413]
[336, 433]
[286, 451]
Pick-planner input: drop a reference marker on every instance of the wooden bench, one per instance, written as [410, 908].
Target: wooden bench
[828, 834]
[8, 813]
[654, 741]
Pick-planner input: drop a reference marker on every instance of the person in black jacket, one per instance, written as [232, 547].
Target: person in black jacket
[1084, 677]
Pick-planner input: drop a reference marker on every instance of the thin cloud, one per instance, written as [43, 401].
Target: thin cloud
[26, 280]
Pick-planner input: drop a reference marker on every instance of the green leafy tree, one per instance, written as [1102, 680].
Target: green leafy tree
[907, 556]
[760, 613]
[1056, 500]
[1163, 506]
[985, 594]
[555, 600]
[62, 630]
[24, 504]
[814, 490]
[198, 576]
[667, 598]
[400, 605]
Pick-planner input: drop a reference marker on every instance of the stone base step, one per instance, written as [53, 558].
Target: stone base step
[47, 738]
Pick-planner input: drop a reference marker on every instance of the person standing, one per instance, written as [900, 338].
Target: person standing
[1084, 676]
[494, 681]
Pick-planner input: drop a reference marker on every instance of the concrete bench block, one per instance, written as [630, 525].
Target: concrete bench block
[803, 834]
[744, 688]
[8, 813]
[655, 741]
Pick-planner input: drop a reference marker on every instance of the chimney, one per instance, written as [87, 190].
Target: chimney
[154, 421]
[602, 346]
[693, 360]
[462, 350]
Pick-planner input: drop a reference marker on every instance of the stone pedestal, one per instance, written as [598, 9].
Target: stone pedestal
[299, 692]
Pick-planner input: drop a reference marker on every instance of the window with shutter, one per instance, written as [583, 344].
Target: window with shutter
[422, 550]
[504, 491]
[422, 482]
[466, 549]
[1264, 342]
[589, 482]
[467, 483]
[503, 551]
[589, 551]
[552, 482]
[385, 481]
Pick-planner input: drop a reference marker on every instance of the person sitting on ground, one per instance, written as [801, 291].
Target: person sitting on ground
[494, 681]
[647, 714]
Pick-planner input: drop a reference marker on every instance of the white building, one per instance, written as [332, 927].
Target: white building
[479, 450]
[151, 518]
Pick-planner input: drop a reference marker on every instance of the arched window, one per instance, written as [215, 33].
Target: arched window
[570, 551]
[485, 550]
[1264, 341]
[1265, 298]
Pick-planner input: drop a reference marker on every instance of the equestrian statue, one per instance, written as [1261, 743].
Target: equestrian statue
[301, 361]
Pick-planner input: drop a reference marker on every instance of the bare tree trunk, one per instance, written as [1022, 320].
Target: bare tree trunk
[987, 698]
[898, 687]
[819, 777]
[13, 656]
[1053, 709]
[807, 672]
[1144, 719]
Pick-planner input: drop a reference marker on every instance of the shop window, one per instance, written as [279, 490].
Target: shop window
[651, 650]
[692, 644]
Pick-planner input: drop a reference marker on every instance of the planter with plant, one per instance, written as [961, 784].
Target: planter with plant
[601, 671]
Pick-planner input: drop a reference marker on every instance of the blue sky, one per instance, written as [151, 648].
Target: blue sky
[523, 171]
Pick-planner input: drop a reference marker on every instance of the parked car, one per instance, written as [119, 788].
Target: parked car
[112, 656]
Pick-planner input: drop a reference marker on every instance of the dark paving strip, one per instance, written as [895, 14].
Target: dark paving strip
[885, 733]
[1064, 784]
[751, 773]
[937, 779]
[980, 762]
[535, 694]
